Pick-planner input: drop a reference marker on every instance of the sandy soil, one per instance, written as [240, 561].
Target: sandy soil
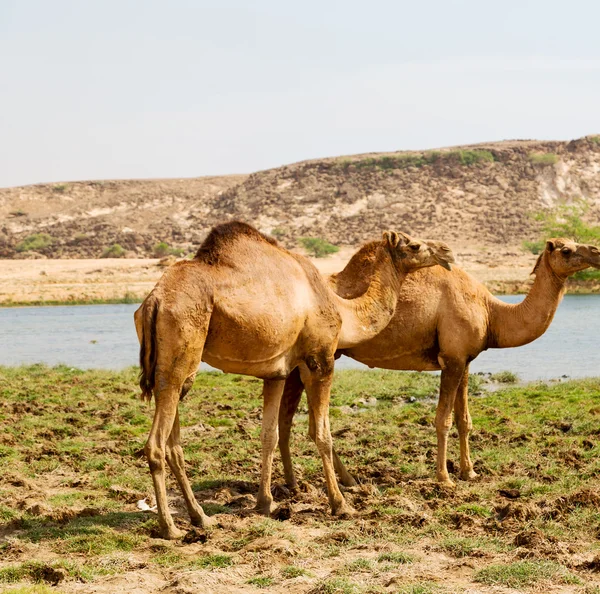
[24, 281]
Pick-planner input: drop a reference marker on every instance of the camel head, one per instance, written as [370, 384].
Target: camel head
[409, 253]
[566, 257]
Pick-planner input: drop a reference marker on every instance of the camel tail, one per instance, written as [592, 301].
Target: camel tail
[146, 324]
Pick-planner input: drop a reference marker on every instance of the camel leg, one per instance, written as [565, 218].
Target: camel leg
[272, 392]
[452, 374]
[318, 388]
[464, 425]
[177, 362]
[292, 393]
[174, 455]
[289, 405]
[167, 400]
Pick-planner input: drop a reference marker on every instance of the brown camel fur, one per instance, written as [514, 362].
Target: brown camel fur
[246, 305]
[443, 320]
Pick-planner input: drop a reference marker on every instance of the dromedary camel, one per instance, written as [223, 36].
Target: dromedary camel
[246, 305]
[443, 320]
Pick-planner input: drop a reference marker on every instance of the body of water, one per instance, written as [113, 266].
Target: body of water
[103, 336]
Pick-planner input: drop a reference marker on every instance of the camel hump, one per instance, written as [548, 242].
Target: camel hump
[221, 237]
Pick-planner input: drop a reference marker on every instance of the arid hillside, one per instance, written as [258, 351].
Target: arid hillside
[479, 196]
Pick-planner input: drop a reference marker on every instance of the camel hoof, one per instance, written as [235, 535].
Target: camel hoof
[171, 533]
[343, 511]
[203, 521]
[468, 475]
[447, 483]
[348, 481]
[264, 508]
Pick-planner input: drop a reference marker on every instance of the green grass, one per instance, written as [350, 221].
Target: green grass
[397, 558]
[526, 573]
[336, 586]
[213, 562]
[127, 298]
[82, 432]
[543, 158]
[421, 588]
[293, 571]
[405, 160]
[261, 581]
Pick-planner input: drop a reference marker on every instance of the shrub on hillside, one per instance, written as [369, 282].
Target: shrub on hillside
[543, 158]
[317, 247]
[114, 251]
[35, 242]
[162, 249]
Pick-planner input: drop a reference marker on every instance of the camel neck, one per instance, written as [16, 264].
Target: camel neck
[513, 325]
[366, 315]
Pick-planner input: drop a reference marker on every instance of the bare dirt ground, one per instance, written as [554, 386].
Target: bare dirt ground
[32, 281]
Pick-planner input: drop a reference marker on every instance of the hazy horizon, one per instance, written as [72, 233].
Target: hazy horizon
[142, 90]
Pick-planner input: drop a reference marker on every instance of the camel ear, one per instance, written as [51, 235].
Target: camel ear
[550, 245]
[391, 237]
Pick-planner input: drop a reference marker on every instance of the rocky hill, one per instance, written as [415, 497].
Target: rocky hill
[477, 196]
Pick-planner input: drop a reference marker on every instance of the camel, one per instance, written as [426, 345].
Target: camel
[443, 320]
[246, 305]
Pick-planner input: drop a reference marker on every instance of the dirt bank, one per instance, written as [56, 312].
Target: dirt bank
[31, 281]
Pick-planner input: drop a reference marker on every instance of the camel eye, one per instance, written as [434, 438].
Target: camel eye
[566, 251]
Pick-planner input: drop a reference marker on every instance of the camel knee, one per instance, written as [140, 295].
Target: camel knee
[465, 423]
[323, 440]
[155, 455]
[443, 424]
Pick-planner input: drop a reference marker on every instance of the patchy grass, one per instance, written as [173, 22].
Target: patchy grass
[405, 160]
[526, 573]
[261, 581]
[127, 298]
[397, 558]
[543, 158]
[73, 470]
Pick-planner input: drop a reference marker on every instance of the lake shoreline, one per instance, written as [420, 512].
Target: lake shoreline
[113, 281]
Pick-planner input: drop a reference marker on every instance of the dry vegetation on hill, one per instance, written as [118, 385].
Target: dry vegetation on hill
[480, 195]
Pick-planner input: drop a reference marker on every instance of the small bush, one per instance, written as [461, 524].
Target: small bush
[317, 247]
[35, 242]
[162, 249]
[471, 157]
[535, 247]
[278, 232]
[595, 139]
[114, 251]
[505, 377]
[60, 188]
[543, 158]
[566, 220]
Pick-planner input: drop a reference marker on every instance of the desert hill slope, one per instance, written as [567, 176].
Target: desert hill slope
[480, 195]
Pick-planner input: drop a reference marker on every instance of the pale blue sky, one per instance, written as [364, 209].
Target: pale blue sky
[97, 89]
